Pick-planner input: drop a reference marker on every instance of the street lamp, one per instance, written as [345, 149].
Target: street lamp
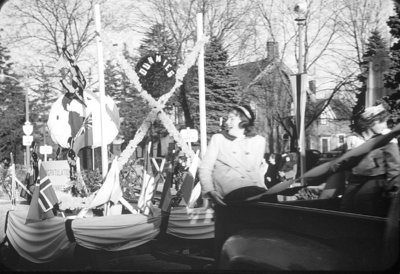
[27, 127]
[301, 9]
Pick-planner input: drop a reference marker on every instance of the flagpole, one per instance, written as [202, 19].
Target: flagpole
[13, 185]
[104, 154]
[202, 94]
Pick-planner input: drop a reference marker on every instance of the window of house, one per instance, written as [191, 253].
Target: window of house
[341, 139]
[323, 119]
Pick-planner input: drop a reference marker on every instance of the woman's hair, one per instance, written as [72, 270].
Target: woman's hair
[364, 120]
[247, 119]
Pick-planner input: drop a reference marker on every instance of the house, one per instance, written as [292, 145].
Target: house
[331, 131]
[266, 86]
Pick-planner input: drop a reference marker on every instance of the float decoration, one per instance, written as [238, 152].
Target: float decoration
[156, 74]
[157, 106]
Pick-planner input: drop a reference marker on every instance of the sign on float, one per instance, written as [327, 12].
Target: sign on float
[27, 140]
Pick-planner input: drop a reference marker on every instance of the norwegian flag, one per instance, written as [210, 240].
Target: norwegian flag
[47, 196]
[43, 199]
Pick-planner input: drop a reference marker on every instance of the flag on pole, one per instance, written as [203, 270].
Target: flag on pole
[26, 192]
[299, 88]
[84, 137]
[166, 195]
[111, 188]
[148, 185]
[13, 183]
[43, 199]
[188, 182]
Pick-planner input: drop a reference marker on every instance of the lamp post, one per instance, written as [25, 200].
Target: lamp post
[300, 9]
[27, 127]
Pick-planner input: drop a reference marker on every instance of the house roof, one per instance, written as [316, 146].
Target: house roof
[336, 109]
[248, 71]
[253, 72]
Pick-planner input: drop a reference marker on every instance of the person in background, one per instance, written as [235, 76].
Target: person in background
[272, 176]
[372, 178]
[5, 162]
[232, 168]
[5, 185]
[289, 166]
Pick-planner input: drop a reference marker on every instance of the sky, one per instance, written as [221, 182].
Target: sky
[24, 56]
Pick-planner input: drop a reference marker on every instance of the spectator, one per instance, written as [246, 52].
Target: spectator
[370, 180]
[272, 176]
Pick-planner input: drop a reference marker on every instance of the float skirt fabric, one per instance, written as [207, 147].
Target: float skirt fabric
[191, 223]
[47, 240]
[116, 232]
[38, 242]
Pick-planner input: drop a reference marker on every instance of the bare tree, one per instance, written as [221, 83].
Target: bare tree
[49, 25]
[358, 19]
[226, 20]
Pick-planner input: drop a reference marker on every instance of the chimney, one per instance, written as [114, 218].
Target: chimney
[272, 50]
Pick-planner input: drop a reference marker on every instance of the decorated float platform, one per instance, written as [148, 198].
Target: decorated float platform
[72, 118]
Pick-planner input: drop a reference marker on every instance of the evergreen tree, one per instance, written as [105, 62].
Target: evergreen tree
[221, 87]
[374, 45]
[132, 108]
[392, 78]
[158, 39]
[45, 96]
[12, 109]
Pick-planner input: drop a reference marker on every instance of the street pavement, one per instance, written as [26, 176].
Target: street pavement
[140, 259]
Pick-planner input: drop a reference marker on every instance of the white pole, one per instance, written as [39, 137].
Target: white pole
[302, 139]
[202, 94]
[104, 154]
[369, 98]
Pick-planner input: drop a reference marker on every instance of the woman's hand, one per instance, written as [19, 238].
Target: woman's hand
[216, 198]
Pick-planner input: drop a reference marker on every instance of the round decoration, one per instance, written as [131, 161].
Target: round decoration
[66, 118]
[156, 74]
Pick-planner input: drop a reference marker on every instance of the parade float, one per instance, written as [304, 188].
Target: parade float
[57, 219]
[292, 235]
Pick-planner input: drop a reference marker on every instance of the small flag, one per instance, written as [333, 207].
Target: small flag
[84, 137]
[30, 186]
[148, 186]
[43, 199]
[188, 182]
[111, 188]
[166, 195]
[166, 202]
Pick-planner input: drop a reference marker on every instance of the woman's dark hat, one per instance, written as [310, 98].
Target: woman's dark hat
[246, 111]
